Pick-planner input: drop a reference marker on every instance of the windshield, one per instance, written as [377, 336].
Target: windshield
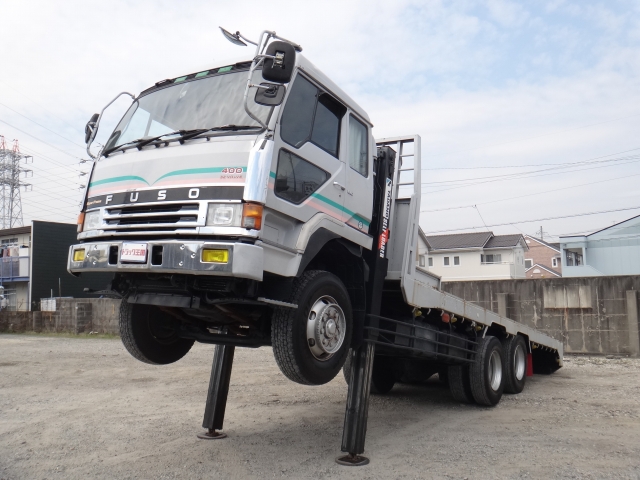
[211, 101]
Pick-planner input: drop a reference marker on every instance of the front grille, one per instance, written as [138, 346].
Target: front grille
[152, 218]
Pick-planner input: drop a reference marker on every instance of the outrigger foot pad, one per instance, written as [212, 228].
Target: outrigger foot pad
[211, 434]
[352, 460]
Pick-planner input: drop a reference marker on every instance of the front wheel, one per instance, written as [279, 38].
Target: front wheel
[151, 335]
[311, 343]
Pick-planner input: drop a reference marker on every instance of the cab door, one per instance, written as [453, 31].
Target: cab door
[359, 174]
[307, 175]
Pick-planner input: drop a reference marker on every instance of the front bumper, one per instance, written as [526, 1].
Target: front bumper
[245, 260]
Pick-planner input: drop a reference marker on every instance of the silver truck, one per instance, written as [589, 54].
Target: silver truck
[249, 205]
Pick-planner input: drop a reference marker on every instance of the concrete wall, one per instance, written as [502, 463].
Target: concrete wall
[589, 315]
[73, 315]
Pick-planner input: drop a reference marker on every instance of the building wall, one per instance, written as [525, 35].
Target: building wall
[23, 239]
[539, 272]
[612, 251]
[540, 253]
[471, 267]
[589, 315]
[50, 248]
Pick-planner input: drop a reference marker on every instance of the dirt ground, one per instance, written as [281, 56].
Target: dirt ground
[83, 408]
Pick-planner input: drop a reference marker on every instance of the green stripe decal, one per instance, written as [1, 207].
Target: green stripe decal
[118, 179]
[192, 171]
[335, 205]
[328, 201]
[189, 171]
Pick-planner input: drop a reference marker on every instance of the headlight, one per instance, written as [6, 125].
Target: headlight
[224, 214]
[92, 220]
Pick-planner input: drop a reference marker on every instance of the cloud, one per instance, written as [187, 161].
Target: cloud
[485, 83]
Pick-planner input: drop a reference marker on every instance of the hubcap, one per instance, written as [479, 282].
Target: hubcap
[495, 370]
[519, 362]
[326, 328]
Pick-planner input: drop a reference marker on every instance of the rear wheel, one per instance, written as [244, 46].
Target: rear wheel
[310, 343]
[486, 373]
[459, 383]
[151, 335]
[383, 376]
[515, 365]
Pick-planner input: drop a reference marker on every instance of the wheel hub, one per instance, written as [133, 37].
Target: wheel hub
[326, 328]
[519, 363]
[495, 371]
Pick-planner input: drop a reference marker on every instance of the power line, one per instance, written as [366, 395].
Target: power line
[539, 219]
[529, 165]
[524, 176]
[41, 106]
[46, 143]
[40, 125]
[628, 159]
[531, 194]
[537, 136]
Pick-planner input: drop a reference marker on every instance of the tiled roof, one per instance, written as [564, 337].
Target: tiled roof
[503, 241]
[555, 246]
[458, 240]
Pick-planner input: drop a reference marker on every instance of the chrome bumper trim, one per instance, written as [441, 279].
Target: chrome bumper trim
[245, 260]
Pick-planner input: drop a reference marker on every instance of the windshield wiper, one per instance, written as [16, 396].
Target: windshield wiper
[222, 128]
[141, 142]
[184, 135]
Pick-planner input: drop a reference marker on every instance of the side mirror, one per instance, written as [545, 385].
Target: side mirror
[270, 94]
[90, 127]
[280, 68]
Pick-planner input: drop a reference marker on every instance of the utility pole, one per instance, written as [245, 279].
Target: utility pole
[540, 233]
[10, 170]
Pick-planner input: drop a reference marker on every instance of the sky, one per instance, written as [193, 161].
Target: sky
[529, 112]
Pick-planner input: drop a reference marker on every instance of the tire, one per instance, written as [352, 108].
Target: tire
[443, 376]
[460, 384]
[151, 335]
[515, 365]
[382, 378]
[298, 335]
[487, 372]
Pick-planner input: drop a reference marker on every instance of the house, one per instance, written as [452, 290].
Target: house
[14, 267]
[614, 250]
[543, 260]
[472, 256]
[33, 266]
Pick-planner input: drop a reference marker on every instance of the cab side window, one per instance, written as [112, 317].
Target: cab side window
[296, 179]
[358, 146]
[312, 115]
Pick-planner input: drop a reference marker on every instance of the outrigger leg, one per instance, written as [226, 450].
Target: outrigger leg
[355, 417]
[218, 392]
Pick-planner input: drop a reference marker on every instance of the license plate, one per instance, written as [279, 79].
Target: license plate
[134, 252]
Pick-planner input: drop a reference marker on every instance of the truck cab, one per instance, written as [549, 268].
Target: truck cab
[233, 206]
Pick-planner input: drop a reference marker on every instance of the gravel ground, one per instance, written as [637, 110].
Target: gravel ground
[83, 408]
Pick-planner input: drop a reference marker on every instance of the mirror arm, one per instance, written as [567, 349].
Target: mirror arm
[246, 39]
[254, 65]
[262, 43]
[97, 125]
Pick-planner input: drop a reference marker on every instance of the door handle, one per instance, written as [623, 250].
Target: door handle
[342, 187]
